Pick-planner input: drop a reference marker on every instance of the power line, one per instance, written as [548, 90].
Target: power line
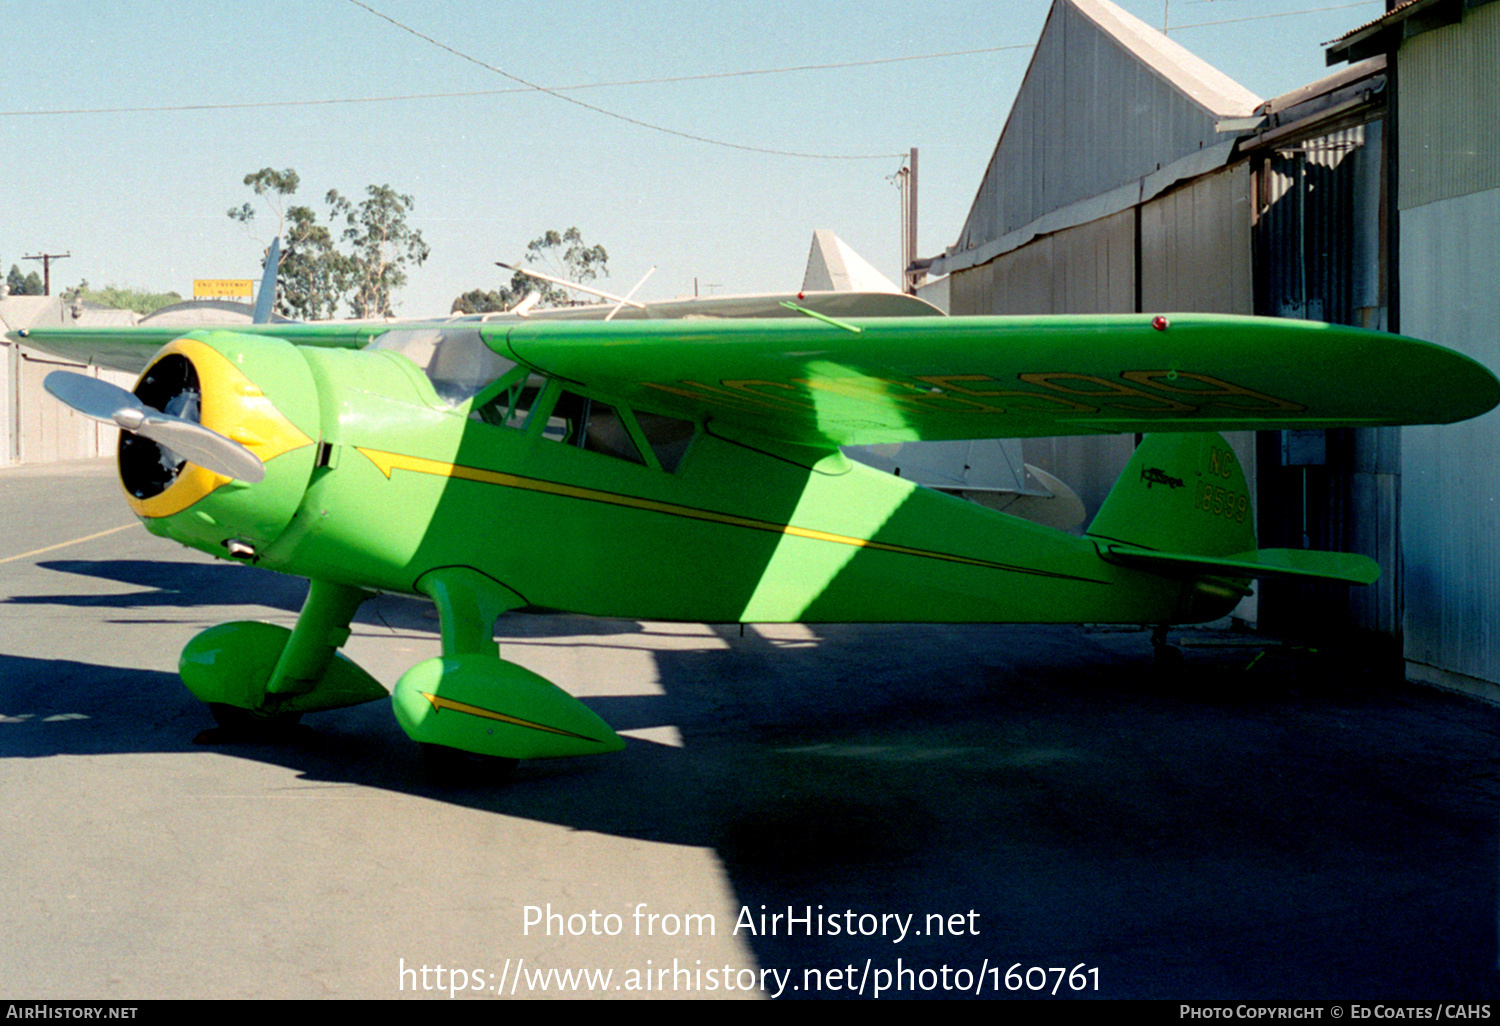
[1266, 17]
[615, 114]
[666, 80]
[466, 94]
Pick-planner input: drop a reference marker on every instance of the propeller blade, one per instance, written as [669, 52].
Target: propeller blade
[208, 449]
[192, 441]
[92, 397]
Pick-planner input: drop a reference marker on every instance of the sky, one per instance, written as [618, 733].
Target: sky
[128, 127]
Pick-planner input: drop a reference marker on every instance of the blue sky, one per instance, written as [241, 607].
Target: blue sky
[139, 197]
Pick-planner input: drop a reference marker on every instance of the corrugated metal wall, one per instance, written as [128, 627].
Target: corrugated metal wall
[1450, 85]
[34, 427]
[1088, 269]
[1105, 104]
[1196, 245]
[1319, 247]
[49, 431]
[1318, 228]
[1449, 202]
[1450, 256]
[1195, 255]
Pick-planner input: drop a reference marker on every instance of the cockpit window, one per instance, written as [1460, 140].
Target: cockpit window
[455, 359]
[668, 437]
[607, 433]
[509, 401]
[592, 425]
[527, 401]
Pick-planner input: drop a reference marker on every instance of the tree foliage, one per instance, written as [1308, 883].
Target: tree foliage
[310, 281]
[381, 245]
[316, 276]
[118, 298]
[560, 254]
[24, 284]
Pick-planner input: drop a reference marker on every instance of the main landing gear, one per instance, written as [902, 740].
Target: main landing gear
[474, 714]
[472, 701]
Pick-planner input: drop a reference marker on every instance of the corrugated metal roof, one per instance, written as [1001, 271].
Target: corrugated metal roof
[1107, 104]
[1394, 14]
[105, 317]
[1183, 69]
[23, 311]
[1403, 21]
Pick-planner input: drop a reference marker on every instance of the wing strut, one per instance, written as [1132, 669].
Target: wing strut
[565, 283]
[824, 318]
[631, 293]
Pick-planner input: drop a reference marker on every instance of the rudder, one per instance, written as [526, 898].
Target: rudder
[1182, 493]
[1182, 507]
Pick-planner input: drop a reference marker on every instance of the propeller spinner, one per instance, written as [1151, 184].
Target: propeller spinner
[176, 434]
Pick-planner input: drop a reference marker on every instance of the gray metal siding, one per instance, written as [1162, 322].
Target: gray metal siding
[1450, 251]
[1450, 110]
[1319, 229]
[1318, 238]
[1195, 246]
[1450, 255]
[1088, 269]
[34, 427]
[1090, 116]
[1195, 255]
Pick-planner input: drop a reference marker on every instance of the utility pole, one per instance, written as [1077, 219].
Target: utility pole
[907, 180]
[46, 259]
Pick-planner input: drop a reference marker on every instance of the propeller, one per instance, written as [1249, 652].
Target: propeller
[111, 404]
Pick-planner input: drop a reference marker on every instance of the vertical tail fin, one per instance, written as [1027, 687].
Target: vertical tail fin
[1182, 506]
[1180, 493]
[266, 298]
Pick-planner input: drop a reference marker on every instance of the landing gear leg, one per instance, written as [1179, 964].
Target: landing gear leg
[471, 704]
[322, 627]
[1168, 658]
[259, 678]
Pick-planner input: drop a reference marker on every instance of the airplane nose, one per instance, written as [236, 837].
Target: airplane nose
[238, 450]
[175, 428]
[149, 466]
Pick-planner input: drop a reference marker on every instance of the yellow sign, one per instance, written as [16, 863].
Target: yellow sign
[218, 288]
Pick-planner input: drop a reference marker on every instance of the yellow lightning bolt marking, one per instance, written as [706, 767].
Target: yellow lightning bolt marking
[439, 704]
[390, 461]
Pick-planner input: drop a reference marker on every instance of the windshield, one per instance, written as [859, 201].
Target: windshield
[455, 359]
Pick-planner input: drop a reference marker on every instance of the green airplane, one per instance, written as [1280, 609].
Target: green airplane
[681, 461]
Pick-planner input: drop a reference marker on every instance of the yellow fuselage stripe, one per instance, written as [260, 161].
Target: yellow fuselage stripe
[389, 461]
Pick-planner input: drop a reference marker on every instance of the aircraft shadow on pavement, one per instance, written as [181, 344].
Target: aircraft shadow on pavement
[1299, 828]
[172, 584]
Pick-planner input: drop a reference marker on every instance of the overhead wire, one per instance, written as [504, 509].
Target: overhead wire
[1267, 17]
[694, 137]
[556, 91]
[465, 94]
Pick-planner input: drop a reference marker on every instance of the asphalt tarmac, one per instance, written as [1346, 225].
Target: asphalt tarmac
[825, 811]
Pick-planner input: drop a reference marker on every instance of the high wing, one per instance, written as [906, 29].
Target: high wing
[832, 369]
[823, 382]
[130, 349]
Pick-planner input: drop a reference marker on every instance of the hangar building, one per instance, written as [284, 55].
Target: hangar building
[1131, 176]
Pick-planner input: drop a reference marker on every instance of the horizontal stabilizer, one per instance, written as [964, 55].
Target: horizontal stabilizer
[1331, 566]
